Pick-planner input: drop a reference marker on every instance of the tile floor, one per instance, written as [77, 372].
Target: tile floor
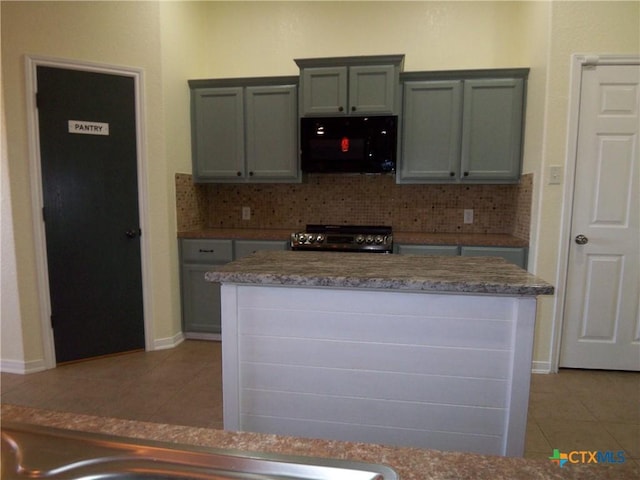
[573, 410]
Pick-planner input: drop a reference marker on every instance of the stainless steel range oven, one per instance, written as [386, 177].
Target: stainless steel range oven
[344, 238]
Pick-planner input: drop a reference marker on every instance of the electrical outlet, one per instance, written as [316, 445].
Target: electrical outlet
[246, 213]
[468, 215]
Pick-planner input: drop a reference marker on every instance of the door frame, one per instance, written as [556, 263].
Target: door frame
[33, 135]
[578, 62]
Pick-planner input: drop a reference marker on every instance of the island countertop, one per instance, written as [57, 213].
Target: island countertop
[423, 273]
[409, 463]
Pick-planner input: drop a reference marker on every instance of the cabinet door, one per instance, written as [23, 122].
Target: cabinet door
[247, 247]
[431, 131]
[492, 130]
[449, 250]
[324, 91]
[200, 298]
[371, 89]
[516, 255]
[272, 133]
[200, 301]
[217, 133]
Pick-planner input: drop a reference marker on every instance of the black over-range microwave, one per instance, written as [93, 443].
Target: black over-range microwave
[348, 144]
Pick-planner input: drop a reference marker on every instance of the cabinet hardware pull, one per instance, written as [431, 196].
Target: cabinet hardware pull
[452, 174]
[466, 174]
[340, 109]
[202, 250]
[251, 174]
[239, 174]
[353, 109]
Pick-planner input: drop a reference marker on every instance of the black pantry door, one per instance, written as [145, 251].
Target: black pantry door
[87, 129]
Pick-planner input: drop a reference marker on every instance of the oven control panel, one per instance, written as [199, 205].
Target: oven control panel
[345, 242]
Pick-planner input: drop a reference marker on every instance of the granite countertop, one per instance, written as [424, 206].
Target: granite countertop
[426, 273]
[409, 463]
[410, 238]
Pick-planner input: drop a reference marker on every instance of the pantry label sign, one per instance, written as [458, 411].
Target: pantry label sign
[88, 128]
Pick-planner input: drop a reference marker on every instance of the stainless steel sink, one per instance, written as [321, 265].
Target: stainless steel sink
[30, 451]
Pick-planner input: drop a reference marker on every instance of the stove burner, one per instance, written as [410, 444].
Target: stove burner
[344, 238]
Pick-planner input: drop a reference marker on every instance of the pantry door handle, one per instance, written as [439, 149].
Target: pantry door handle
[133, 233]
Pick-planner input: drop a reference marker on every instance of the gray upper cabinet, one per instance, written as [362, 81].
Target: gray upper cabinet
[245, 130]
[462, 129]
[272, 133]
[350, 85]
[323, 91]
[432, 130]
[492, 129]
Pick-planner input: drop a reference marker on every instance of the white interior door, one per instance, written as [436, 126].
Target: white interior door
[601, 317]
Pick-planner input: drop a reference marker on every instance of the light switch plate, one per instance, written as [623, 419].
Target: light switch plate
[468, 215]
[555, 175]
[246, 213]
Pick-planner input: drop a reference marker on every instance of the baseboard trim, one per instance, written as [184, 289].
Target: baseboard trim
[541, 367]
[21, 367]
[168, 342]
[203, 336]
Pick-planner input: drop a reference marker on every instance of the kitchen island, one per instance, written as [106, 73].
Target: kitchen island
[421, 351]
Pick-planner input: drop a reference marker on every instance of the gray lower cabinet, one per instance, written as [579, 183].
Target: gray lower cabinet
[247, 247]
[465, 130]
[200, 300]
[515, 255]
[244, 131]
[451, 250]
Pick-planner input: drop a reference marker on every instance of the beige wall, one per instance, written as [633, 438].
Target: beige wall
[122, 34]
[174, 41]
[575, 27]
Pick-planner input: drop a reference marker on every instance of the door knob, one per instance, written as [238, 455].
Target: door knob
[133, 233]
[581, 240]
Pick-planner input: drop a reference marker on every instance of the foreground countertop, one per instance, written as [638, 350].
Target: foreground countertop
[409, 463]
[426, 273]
[408, 238]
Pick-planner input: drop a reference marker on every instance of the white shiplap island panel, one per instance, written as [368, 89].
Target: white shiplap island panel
[400, 367]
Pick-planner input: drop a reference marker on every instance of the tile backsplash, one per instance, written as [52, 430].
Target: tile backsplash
[356, 199]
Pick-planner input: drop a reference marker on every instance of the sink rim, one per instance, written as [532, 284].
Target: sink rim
[168, 454]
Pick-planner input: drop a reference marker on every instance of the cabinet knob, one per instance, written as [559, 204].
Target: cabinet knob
[466, 174]
[239, 174]
[452, 174]
[353, 109]
[340, 109]
[251, 174]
